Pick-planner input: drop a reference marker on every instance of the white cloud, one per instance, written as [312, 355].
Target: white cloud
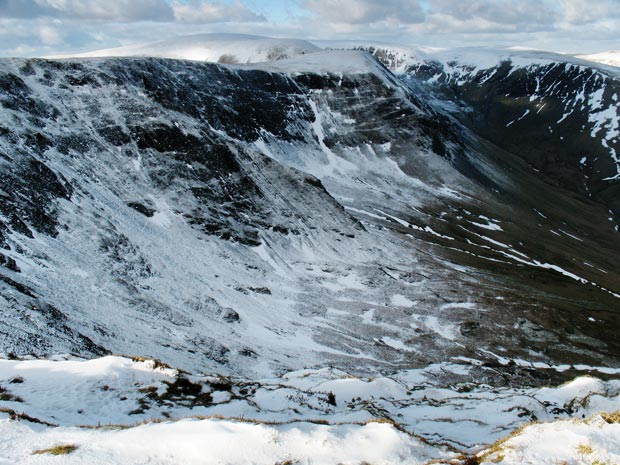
[528, 15]
[201, 12]
[464, 16]
[192, 11]
[367, 11]
[115, 10]
[98, 10]
[584, 12]
[513, 13]
[49, 35]
[47, 27]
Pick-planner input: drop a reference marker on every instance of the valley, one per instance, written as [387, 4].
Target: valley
[429, 238]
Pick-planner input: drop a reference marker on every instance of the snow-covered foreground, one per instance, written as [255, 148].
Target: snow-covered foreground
[595, 441]
[214, 442]
[119, 410]
[211, 441]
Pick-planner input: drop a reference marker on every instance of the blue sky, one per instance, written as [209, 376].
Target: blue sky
[44, 27]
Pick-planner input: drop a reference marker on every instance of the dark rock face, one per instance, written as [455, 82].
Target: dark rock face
[214, 217]
[141, 208]
[256, 100]
[33, 187]
[159, 134]
[561, 118]
[9, 263]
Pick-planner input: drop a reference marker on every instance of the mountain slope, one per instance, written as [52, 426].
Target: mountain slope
[611, 58]
[253, 221]
[221, 48]
[567, 109]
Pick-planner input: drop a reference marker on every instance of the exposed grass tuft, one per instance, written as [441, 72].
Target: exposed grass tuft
[611, 417]
[156, 363]
[6, 396]
[585, 449]
[495, 452]
[57, 450]
[15, 416]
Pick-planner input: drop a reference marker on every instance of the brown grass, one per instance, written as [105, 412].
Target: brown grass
[16, 416]
[6, 396]
[585, 449]
[611, 418]
[496, 449]
[156, 363]
[57, 450]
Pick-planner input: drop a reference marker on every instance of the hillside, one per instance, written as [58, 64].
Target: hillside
[320, 249]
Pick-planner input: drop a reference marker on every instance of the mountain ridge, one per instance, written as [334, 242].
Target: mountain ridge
[193, 199]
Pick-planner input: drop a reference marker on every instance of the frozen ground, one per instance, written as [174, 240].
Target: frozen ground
[119, 410]
[194, 442]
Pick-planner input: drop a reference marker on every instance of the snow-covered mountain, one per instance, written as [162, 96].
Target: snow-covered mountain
[559, 114]
[611, 58]
[420, 222]
[396, 57]
[169, 207]
[218, 48]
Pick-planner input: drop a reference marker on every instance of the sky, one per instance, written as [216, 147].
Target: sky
[48, 27]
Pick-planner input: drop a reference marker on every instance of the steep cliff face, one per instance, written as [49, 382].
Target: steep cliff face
[256, 220]
[129, 195]
[557, 113]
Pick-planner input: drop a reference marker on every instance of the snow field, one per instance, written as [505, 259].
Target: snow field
[309, 416]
